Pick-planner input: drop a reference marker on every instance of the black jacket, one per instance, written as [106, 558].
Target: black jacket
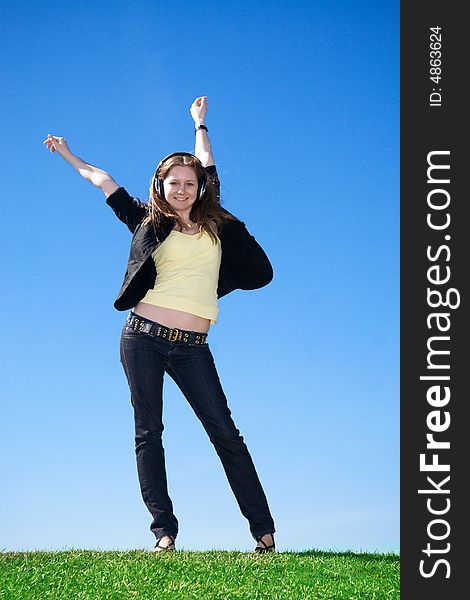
[244, 264]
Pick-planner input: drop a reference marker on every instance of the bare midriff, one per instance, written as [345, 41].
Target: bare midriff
[172, 318]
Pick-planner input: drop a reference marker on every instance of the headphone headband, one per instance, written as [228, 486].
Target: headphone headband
[177, 154]
[202, 182]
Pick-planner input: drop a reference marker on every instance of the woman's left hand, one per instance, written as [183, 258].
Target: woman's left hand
[198, 110]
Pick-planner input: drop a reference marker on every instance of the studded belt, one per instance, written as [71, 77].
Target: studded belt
[172, 334]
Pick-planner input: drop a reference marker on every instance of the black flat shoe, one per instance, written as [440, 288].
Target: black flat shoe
[265, 547]
[168, 548]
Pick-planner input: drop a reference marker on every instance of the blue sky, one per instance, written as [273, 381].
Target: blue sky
[304, 123]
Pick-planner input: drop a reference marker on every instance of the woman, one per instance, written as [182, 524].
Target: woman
[186, 252]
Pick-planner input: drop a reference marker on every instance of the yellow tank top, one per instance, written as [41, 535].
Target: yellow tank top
[187, 274]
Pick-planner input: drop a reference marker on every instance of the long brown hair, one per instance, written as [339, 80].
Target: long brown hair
[206, 211]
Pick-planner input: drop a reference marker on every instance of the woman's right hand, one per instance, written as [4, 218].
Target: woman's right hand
[56, 144]
[94, 175]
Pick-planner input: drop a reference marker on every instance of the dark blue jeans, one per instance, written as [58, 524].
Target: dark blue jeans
[145, 359]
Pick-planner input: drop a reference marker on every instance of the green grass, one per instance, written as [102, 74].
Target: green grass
[142, 575]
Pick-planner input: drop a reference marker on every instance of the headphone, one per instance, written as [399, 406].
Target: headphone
[202, 182]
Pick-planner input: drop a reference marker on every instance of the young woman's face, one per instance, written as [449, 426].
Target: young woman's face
[180, 186]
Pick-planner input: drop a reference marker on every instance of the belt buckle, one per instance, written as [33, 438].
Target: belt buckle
[173, 335]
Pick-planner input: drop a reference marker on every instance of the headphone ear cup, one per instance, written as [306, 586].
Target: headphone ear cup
[159, 187]
[202, 188]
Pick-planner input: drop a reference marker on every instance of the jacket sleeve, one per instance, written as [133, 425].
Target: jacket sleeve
[211, 171]
[244, 262]
[130, 211]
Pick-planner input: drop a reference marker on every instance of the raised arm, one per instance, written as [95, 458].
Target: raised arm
[202, 146]
[96, 176]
